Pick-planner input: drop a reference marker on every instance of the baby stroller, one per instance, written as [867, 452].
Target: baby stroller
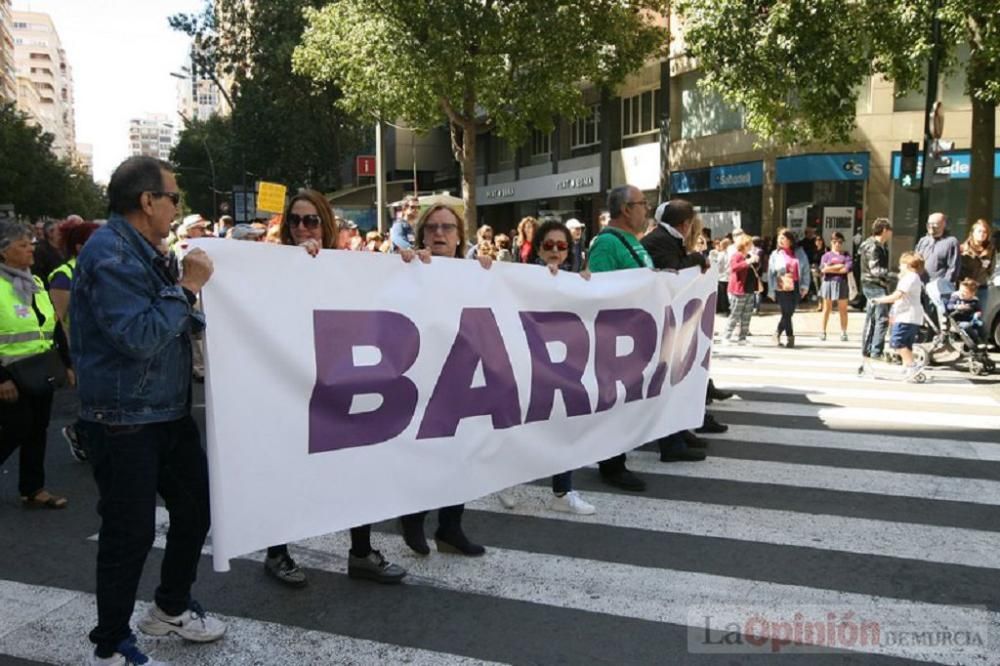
[947, 343]
[972, 354]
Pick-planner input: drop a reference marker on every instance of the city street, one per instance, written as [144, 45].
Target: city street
[829, 494]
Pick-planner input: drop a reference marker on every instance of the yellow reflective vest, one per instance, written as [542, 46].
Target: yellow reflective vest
[21, 335]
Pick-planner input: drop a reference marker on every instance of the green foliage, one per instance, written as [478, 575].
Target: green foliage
[283, 127]
[795, 66]
[34, 180]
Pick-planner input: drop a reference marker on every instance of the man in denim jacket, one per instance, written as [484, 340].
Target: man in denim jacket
[131, 344]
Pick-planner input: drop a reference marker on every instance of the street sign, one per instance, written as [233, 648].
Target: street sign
[271, 197]
[364, 166]
[243, 205]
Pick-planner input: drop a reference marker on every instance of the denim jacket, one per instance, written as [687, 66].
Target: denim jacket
[131, 334]
[776, 268]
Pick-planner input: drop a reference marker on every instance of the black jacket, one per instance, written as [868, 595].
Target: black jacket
[669, 252]
[874, 259]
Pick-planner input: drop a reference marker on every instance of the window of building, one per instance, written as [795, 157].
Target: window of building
[584, 130]
[541, 143]
[504, 151]
[640, 113]
[704, 113]
[951, 87]
[20, 25]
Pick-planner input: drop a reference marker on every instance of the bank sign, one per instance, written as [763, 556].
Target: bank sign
[571, 183]
[821, 167]
[960, 169]
[730, 176]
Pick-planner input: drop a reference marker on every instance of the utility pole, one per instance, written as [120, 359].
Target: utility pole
[665, 119]
[933, 73]
[379, 179]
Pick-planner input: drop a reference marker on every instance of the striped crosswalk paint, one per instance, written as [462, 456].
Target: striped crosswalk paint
[918, 542]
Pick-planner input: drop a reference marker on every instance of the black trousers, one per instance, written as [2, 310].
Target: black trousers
[787, 300]
[449, 519]
[361, 543]
[132, 464]
[24, 426]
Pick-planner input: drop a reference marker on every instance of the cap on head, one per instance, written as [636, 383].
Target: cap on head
[574, 223]
[247, 232]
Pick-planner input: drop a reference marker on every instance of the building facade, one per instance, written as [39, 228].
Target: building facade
[42, 63]
[153, 135]
[8, 68]
[85, 157]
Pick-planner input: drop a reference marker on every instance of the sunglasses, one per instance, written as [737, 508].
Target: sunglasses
[550, 245]
[443, 227]
[311, 221]
[175, 197]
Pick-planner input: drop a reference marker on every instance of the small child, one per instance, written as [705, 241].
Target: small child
[964, 307]
[907, 312]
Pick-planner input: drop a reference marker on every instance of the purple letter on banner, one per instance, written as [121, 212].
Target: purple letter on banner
[686, 345]
[332, 426]
[548, 376]
[707, 324]
[454, 398]
[610, 368]
[666, 350]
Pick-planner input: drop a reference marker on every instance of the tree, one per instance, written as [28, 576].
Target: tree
[35, 180]
[476, 64]
[796, 66]
[282, 127]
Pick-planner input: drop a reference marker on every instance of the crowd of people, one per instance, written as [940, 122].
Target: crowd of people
[113, 310]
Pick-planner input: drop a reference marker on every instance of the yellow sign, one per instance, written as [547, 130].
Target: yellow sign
[271, 197]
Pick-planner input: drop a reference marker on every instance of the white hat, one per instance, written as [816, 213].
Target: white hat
[574, 223]
[192, 221]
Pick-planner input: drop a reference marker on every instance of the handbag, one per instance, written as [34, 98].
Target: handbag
[760, 285]
[38, 374]
[785, 282]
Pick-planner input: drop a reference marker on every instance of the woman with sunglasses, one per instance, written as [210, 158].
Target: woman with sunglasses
[440, 233]
[551, 248]
[309, 222]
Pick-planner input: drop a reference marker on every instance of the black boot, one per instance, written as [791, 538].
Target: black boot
[413, 533]
[791, 342]
[450, 538]
[715, 393]
[711, 426]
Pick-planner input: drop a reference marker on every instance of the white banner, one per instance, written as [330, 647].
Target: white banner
[351, 388]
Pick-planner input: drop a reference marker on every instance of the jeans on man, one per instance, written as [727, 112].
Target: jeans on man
[880, 311]
[132, 464]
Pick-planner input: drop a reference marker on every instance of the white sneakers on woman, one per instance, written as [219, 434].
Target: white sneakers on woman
[571, 502]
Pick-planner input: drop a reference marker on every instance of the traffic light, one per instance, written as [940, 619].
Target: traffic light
[939, 170]
[908, 164]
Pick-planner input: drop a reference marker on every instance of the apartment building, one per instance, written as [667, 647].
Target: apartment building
[41, 60]
[153, 134]
[8, 71]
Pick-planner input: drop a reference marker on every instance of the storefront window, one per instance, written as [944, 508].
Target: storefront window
[704, 113]
[584, 131]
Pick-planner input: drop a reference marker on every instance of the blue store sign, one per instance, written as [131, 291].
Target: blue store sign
[730, 176]
[827, 166]
[961, 165]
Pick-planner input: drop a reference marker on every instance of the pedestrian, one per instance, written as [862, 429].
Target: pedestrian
[907, 311]
[940, 253]
[978, 259]
[484, 234]
[966, 309]
[719, 258]
[760, 268]
[525, 236]
[373, 241]
[309, 222]
[502, 242]
[441, 233]
[133, 318]
[578, 250]
[247, 232]
[226, 224]
[29, 365]
[874, 258]
[48, 254]
[835, 266]
[815, 271]
[401, 232]
[788, 280]
[74, 235]
[744, 281]
[552, 250]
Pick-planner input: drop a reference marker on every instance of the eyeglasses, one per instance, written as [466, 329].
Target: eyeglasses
[311, 221]
[443, 227]
[550, 245]
[643, 203]
[175, 197]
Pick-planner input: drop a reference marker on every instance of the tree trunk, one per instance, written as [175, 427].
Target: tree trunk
[463, 142]
[980, 204]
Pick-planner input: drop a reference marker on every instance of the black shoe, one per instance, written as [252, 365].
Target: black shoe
[691, 455]
[455, 542]
[711, 426]
[624, 479]
[791, 342]
[718, 394]
[374, 567]
[693, 441]
[284, 570]
[415, 538]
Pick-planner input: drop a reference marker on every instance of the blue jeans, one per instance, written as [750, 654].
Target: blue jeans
[132, 464]
[880, 312]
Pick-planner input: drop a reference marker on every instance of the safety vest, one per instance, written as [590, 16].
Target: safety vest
[67, 269]
[21, 335]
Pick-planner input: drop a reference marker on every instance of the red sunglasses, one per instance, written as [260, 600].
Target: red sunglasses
[549, 245]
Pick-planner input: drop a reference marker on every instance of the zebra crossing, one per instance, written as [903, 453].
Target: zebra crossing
[830, 495]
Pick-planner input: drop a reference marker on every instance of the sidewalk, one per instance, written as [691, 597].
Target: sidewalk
[807, 322]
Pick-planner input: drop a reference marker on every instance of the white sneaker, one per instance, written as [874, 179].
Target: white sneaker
[192, 624]
[508, 497]
[127, 654]
[571, 502]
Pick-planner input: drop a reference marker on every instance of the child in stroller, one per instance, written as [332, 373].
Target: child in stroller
[965, 327]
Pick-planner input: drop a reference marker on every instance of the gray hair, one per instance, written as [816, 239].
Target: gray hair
[12, 231]
[617, 198]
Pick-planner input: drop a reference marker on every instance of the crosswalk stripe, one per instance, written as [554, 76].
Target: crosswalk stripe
[977, 491]
[652, 594]
[814, 391]
[34, 619]
[941, 379]
[863, 414]
[871, 442]
[920, 403]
